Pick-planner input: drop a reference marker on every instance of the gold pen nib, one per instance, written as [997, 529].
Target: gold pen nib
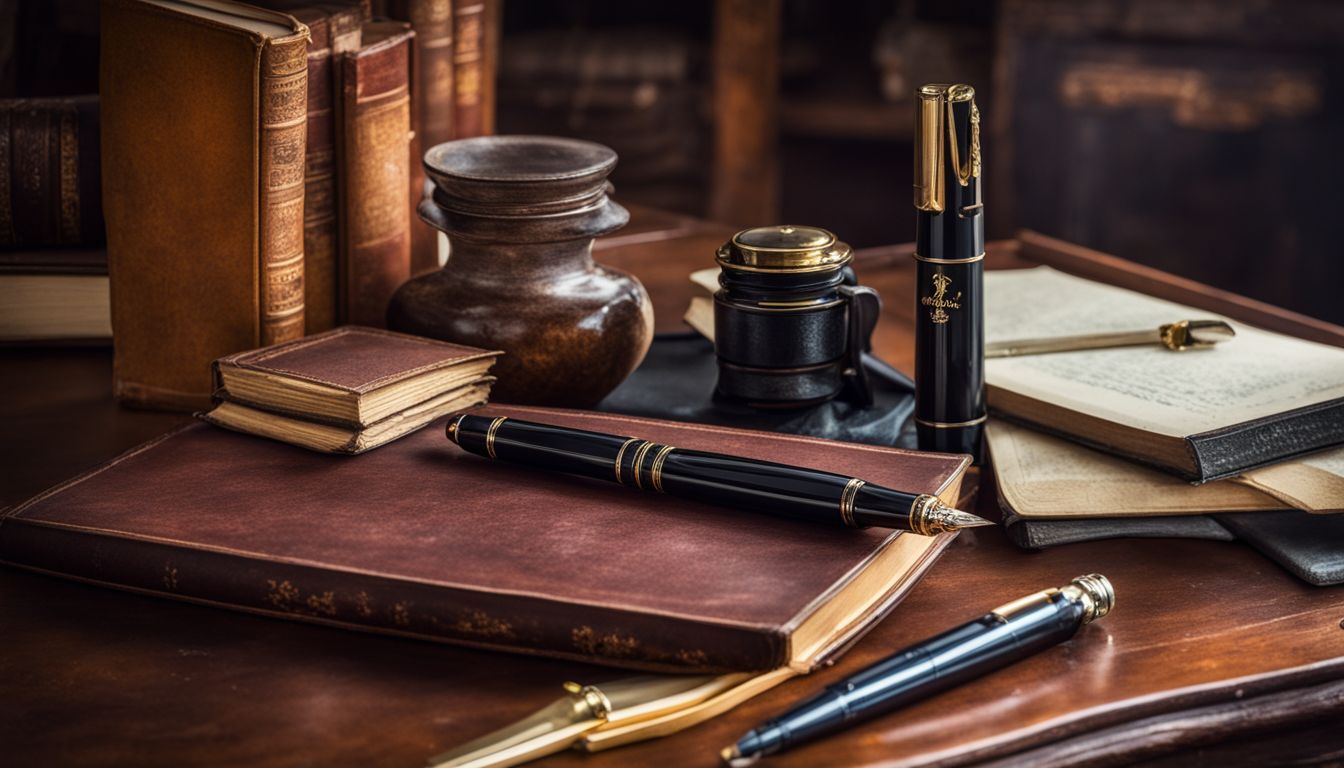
[958, 519]
[929, 517]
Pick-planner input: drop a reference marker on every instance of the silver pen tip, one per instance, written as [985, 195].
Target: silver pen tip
[958, 519]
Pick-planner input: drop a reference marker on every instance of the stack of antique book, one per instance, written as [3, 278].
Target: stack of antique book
[226, 233]
[347, 390]
[1239, 440]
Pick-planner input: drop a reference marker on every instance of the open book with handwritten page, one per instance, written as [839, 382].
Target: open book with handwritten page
[1202, 414]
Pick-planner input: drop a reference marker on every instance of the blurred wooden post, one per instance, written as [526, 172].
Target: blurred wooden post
[745, 178]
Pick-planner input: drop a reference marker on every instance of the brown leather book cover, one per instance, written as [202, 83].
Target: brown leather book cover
[49, 172]
[347, 365]
[431, 106]
[432, 73]
[375, 147]
[334, 29]
[422, 539]
[469, 75]
[203, 116]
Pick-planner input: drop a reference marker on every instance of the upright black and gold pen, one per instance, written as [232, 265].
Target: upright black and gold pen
[949, 259]
[714, 478]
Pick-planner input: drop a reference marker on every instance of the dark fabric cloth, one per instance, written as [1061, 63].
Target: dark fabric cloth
[676, 381]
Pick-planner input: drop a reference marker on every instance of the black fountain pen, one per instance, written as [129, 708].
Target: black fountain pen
[714, 478]
[1004, 635]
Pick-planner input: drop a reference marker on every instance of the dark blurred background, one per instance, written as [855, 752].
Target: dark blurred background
[1198, 136]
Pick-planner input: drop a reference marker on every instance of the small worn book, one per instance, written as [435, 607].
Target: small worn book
[423, 539]
[349, 389]
[1202, 414]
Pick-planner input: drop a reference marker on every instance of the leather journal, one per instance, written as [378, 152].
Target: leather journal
[348, 390]
[203, 140]
[424, 540]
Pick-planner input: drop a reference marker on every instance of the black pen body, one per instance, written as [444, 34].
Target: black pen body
[954, 657]
[741, 483]
[949, 261]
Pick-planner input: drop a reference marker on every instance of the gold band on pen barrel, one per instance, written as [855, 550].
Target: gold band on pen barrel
[620, 455]
[639, 459]
[847, 497]
[490, 435]
[656, 472]
[931, 260]
[951, 424]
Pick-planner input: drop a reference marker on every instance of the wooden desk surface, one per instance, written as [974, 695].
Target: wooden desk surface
[1213, 654]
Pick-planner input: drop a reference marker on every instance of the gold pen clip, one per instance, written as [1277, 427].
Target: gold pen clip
[1178, 337]
[586, 709]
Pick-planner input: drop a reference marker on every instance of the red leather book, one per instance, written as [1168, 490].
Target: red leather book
[375, 177]
[422, 539]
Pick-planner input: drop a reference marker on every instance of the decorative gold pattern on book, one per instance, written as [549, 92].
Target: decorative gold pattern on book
[287, 57]
[482, 624]
[284, 95]
[611, 645]
[381, 195]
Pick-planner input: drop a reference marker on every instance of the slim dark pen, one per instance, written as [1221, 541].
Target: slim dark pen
[714, 478]
[1004, 635]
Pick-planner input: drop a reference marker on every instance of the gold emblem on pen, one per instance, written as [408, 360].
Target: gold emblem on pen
[939, 302]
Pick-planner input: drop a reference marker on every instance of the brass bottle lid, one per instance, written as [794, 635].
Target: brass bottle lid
[784, 248]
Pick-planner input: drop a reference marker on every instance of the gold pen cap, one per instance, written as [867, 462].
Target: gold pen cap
[947, 142]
